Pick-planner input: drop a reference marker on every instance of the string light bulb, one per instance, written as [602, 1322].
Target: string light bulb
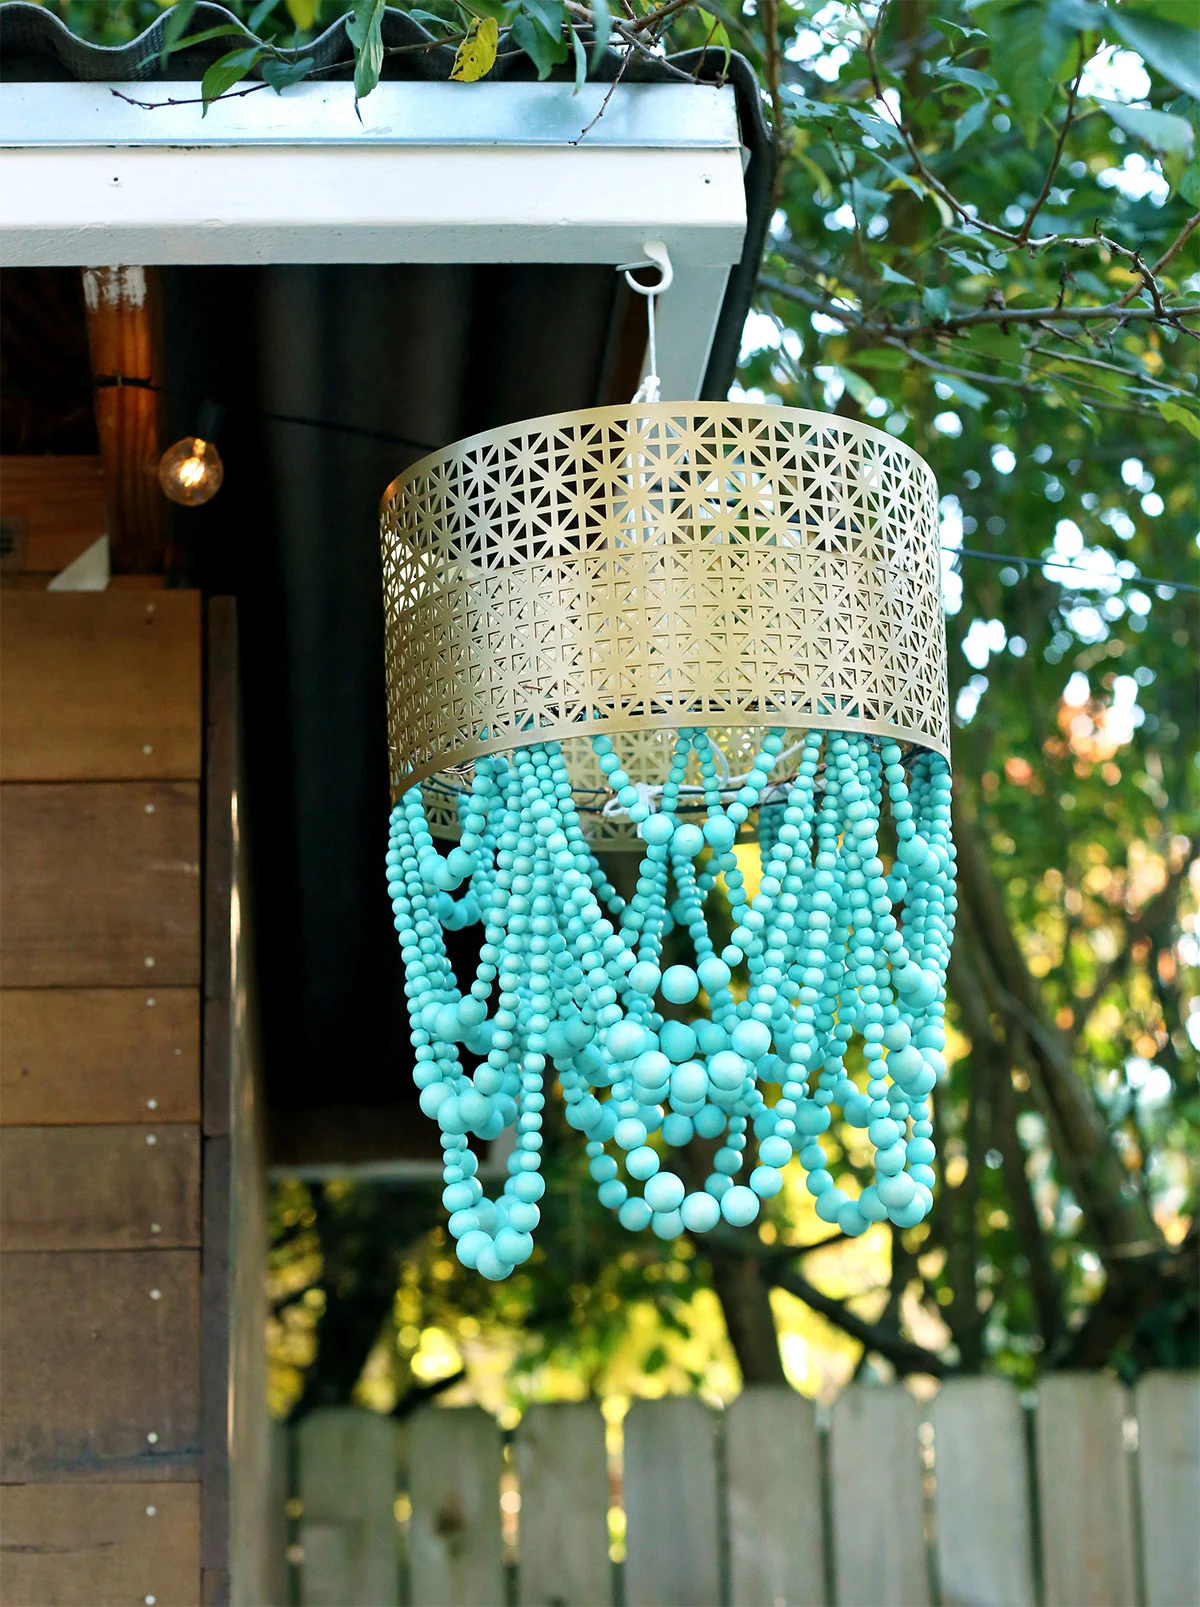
[191, 471]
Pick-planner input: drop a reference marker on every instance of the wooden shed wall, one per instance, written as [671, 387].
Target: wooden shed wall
[127, 1105]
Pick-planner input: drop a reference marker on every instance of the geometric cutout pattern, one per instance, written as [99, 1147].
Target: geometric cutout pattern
[638, 569]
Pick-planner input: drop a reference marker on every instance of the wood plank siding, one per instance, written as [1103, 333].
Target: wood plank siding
[115, 1213]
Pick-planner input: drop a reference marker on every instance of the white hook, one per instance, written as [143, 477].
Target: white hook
[657, 256]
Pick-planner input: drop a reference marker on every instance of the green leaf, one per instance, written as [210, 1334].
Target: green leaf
[881, 357]
[544, 51]
[550, 13]
[720, 38]
[1182, 12]
[260, 14]
[177, 20]
[225, 72]
[429, 17]
[1175, 414]
[964, 259]
[865, 201]
[1171, 50]
[364, 31]
[971, 121]
[817, 110]
[1080, 14]
[965, 75]
[1161, 130]
[891, 277]
[860, 389]
[994, 349]
[580, 62]
[602, 23]
[279, 74]
[967, 393]
[899, 176]
[1029, 47]
[936, 301]
[877, 127]
[1189, 183]
[223, 32]
[819, 177]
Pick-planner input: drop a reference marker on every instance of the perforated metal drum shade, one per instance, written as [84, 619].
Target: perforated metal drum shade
[638, 569]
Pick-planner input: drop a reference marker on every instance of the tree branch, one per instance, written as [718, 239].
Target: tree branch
[1019, 239]
[971, 983]
[1083, 1144]
[904, 1354]
[420, 1394]
[773, 70]
[984, 315]
[727, 1243]
[1023, 231]
[1144, 923]
[1181, 240]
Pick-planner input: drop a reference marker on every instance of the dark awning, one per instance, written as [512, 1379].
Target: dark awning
[393, 360]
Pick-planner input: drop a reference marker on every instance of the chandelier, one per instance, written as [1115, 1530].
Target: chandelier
[671, 630]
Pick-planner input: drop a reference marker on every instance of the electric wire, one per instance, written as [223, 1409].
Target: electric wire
[334, 426]
[1016, 560]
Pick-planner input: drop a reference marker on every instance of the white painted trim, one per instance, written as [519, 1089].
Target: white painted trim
[252, 189]
[246, 204]
[686, 320]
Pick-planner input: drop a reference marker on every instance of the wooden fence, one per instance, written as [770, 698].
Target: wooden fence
[976, 1498]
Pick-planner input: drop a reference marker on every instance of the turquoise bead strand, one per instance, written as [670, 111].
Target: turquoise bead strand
[571, 986]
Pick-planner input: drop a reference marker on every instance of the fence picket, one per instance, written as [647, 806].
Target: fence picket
[672, 1537]
[984, 1536]
[347, 1482]
[562, 1466]
[773, 1493]
[454, 1463]
[346, 1468]
[1086, 1498]
[878, 1521]
[1168, 1409]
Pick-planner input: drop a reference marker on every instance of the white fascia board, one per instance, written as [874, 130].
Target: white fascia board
[373, 203]
[434, 173]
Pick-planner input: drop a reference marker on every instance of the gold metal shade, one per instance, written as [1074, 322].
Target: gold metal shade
[636, 569]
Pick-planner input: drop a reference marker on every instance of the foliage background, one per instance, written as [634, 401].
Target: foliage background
[985, 240]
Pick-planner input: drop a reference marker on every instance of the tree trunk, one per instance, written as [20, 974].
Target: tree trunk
[1119, 1223]
[992, 1065]
[746, 1301]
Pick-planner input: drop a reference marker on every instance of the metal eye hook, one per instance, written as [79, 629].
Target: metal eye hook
[657, 256]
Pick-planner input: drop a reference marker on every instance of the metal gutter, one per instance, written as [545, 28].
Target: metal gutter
[637, 116]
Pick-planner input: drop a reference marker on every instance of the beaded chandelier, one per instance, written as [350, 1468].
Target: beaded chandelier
[672, 629]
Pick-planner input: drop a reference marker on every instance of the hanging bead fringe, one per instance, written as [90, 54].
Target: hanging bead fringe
[834, 946]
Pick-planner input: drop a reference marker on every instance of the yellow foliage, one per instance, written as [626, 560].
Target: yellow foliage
[477, 54]
[302, 12]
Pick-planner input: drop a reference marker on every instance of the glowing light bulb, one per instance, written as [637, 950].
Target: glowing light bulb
[191, 471]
